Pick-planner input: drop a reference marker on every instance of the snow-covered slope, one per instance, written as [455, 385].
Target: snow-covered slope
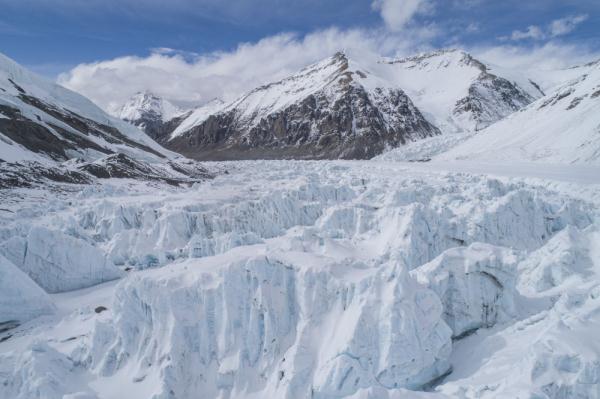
[332, 109]
[58, 124]
[43, 125]
[197, 116]
[456, 91]
[562, 127]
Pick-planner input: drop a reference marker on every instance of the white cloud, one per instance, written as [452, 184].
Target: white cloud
[566, 25]
[193, 79]
[549, 56]
[398, 13]
[188, 78]
[532, 32]
[558, 27]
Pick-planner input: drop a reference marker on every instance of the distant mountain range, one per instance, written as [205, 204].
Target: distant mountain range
[336, 108]
[333, 109]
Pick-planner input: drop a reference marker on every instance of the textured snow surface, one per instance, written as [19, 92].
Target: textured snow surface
[561, 127]
[315, 280]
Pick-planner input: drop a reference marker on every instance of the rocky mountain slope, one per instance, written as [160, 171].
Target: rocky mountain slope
[332, 109]
[50, 133]
[561, 127]
[457, 92]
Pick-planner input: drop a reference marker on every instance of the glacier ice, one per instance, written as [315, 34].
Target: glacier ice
[312, 279]
[250, 327]
[476, 285]
[21, 299]
[59, 262]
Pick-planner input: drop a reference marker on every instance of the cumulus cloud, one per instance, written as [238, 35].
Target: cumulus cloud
[549, 56]
[566, 25]
[532, 32]
[558, 27]
[191, 79]
[398, 13]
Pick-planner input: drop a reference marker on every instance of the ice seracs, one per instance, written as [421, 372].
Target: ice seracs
[22, 299]
[254, 323]
[303, 279]
[58, 262]
[476, 285]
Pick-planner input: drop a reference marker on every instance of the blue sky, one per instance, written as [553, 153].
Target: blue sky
[53, 36]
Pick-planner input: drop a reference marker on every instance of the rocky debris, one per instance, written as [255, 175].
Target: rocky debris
[31, 173]
[122, 166]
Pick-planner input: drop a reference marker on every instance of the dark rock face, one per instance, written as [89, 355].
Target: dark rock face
[29, 174]
[121, 166]
[341, 121]
[491, 98]
[156, 128]
[37, 137]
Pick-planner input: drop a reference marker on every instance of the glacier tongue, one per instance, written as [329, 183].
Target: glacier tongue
[309, 279]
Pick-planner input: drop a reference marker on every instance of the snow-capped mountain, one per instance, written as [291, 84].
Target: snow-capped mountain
[561, 127]
[150, 113]
[43, 125]
[332, 109]
[321, 279]
[457, 92]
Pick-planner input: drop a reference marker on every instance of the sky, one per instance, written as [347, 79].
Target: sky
[191, 51]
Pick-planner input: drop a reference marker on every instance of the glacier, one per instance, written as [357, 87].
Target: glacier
[290, 279]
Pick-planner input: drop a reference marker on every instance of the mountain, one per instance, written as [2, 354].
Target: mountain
[50, 133]
[332, 109]
[150, 113]
[458, 92]
[561, 127]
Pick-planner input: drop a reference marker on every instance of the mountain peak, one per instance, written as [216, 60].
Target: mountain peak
[441, 59]
[147, 105]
